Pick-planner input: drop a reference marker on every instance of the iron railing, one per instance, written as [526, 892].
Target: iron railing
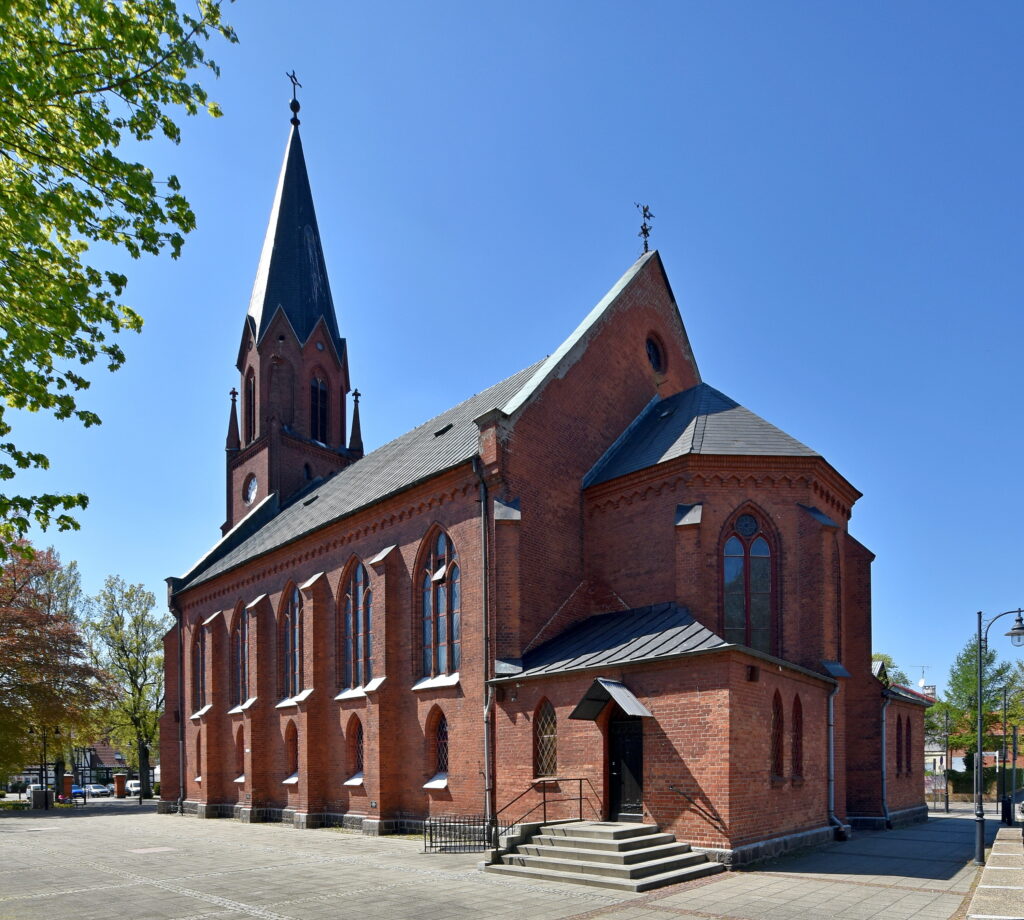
[458, 833]
[543, 803]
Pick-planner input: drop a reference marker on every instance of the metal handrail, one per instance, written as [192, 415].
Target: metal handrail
[543, 805]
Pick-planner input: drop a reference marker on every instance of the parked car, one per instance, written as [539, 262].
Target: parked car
[77, 792]
[96, 790]
[133, 787]
[111, 788]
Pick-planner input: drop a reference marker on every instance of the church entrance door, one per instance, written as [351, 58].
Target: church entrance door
[626, 767]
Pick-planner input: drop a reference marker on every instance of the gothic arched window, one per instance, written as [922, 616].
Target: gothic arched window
[318, 407]
[356, 645]
[290, 643]
[899, 745]
[249, 406]
[291, 748]
[798, 738]
[908, 760]
[355, 745]
[199, 669]
[240, 658]
[441, 606]
[747, 585]
[545, 741]
[240, 753]
[778, 728]
[441, 745]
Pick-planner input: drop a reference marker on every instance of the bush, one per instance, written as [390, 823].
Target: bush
[13, 806]
[156, 789]
[962, 782]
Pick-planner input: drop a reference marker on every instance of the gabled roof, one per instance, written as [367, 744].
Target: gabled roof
[292, 274]
[440, 444]
[556, 364]
[700, 420]
[644, 634]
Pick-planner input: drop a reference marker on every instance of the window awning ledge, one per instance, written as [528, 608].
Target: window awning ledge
[600, 692]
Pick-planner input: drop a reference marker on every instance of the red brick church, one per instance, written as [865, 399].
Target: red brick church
[600, 582]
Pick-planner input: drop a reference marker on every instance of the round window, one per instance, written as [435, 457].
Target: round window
[746, 524]
[654, 354]
[250, 489]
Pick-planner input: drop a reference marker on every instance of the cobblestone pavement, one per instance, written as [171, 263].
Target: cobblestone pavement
[117, 859]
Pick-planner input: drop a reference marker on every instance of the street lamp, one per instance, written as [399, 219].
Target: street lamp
[1016, 635]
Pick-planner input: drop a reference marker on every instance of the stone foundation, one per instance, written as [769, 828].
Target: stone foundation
[247, 814]
[771, 848]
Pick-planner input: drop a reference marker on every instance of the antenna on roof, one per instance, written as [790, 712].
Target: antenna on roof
[294, 104]
[645, 227]
[923, 667]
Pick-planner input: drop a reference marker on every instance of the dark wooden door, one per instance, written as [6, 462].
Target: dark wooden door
[626, 768]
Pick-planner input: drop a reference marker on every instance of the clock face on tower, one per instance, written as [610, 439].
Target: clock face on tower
[250, 489]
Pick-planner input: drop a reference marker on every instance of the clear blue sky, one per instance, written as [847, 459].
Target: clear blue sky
[838, 198]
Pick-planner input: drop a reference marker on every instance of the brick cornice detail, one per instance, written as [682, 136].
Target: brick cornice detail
[328, 539]
[741, 471]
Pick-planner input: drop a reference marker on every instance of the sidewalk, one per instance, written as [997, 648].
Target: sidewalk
[1000, 892]
[91, 864]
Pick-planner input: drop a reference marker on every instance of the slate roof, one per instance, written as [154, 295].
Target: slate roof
[405, 461]
[700, 420]
[292, 273]
[644, 634]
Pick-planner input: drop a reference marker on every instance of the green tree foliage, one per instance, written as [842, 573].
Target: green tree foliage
[894, 674]
[962, 692]
[46, 678]
[128, 645]
[78, 77]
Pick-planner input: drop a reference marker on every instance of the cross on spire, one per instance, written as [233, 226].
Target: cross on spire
[294, 104]
[645, 227]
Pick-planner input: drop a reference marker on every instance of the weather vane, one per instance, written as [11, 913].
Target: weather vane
[294, 104]
[645, 227]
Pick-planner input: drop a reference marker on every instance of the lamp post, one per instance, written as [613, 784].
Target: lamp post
[1016, 635]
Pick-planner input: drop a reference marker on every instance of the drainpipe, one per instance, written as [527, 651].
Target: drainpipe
[832, 819]
[485, 632]
[172, 583]
[885, 766]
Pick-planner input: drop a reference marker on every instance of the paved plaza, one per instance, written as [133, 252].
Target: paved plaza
[117, 859]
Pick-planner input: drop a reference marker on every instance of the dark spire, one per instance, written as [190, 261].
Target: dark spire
[292, 273]
[355, 443]
[233, 441]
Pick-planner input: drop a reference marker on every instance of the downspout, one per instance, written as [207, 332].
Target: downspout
[485, 633]
[885, 765]
[842, 830]
[172, 583]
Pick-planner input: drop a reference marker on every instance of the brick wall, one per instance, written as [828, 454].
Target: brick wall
[707, 774]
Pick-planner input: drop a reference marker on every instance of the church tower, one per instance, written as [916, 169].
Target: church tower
[292, 359]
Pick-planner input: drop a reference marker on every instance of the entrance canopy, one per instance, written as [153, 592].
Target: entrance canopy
[600, 692]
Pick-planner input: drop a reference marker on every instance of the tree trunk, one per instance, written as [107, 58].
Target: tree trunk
[147, 792]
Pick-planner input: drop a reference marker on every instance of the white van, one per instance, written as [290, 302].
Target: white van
[132, 787]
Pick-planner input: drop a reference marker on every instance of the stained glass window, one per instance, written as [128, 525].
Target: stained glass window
[441, 601]
[747, 586]
[356, 644]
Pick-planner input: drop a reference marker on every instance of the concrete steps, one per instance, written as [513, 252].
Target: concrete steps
[606, 854]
